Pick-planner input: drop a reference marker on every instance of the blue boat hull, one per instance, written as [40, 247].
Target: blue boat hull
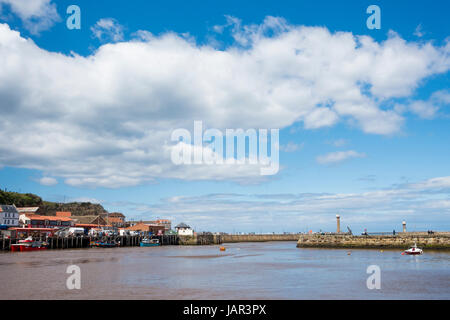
[149, 244]
[103, 244]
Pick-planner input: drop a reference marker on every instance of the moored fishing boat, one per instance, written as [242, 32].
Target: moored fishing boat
[28, 244]
[413, 250]
[104, 244]
[149, 242]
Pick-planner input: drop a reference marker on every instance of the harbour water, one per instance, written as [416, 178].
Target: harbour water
[268, 270]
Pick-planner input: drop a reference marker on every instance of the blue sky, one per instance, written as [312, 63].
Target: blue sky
[87, 117]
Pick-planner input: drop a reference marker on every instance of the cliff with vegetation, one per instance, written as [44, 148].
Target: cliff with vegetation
[77, 208]
[20, 199]
[50, 208]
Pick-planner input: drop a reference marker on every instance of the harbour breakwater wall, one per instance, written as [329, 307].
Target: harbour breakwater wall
[440, 240]
[229, 238]
[204, 239]
[208, 239]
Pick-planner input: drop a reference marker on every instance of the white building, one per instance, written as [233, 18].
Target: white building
[184, 230]
[9, 216]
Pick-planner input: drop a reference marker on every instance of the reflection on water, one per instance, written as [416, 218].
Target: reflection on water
[272, 270]
[206, 256]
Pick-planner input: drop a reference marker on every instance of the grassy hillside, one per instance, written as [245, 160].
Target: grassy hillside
[47, 207]
[20, 199]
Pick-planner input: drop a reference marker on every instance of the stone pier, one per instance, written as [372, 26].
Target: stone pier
[204, 239]
[259, 237]
[438, 240]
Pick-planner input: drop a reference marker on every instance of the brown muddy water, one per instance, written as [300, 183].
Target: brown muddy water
[270, 270]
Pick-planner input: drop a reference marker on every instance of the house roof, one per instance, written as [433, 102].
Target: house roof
[114, 220]
[8, 208]
[139, 227]
[116, 214]
[32, 229]
[63, 213]
[49, 218]
[85, 225]
[89, 219]
[182, 225]
[144, 227]
[27, 209]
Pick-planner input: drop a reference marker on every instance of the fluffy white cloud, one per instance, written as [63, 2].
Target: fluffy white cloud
[339, 142]
[432, 184]
[108, 29]
[339, 156]
[36, 15]
[291, 147]
[106, 119]
[48, 181]
[426, 109]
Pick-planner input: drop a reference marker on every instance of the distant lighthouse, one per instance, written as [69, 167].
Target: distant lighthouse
[338, 222]
[404, 226]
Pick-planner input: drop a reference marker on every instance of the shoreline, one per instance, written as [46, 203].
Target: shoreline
[437, 241]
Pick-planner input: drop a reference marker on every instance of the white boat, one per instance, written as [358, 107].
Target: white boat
[413, 250]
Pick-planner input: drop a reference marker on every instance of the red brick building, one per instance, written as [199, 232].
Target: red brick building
[143, 227]
[38, 221]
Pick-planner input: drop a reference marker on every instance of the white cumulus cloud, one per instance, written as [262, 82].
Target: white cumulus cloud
[108, 29]
[106, 119]
[36, 15]
[48, 181]
[339, 156]
[291, 147]
[426, 109]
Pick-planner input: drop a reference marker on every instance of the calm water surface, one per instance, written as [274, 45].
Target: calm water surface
[271, 270]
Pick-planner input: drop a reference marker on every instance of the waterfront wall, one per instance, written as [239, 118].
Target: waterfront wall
[231, 238]
[259, 237]
[439, 240]
[399, 241]
[84, 242]
[131, 241]
[205, 239]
